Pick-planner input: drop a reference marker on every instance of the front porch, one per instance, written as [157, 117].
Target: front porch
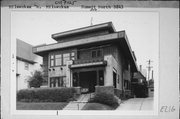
[87, 78]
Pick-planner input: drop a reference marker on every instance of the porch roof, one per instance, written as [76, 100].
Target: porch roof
[102, 63]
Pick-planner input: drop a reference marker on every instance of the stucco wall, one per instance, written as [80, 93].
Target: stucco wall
[82, 36]
[59, 71]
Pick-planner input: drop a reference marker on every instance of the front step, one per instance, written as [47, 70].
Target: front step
[79, 104]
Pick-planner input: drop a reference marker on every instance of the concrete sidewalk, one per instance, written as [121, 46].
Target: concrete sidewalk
[79, 104]
[137, 104]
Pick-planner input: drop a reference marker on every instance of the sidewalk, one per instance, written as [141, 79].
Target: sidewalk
[79, 104]
[137, 104]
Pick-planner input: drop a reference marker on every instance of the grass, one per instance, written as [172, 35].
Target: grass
[41, 106]
[97, 106]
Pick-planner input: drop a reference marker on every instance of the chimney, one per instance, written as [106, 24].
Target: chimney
[140, 68]
[152, 75]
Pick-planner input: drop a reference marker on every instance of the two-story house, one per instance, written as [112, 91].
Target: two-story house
[26, 63]
[91, 58]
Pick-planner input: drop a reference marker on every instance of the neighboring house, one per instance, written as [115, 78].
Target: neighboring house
[26, 63]
[139, 85]
[151, 88]
[91, 58]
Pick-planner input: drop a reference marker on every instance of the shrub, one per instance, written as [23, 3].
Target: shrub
[46, 95]
[105, 98]
[36, 79]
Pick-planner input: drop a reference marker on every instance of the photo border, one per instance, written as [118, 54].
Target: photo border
[13, 61]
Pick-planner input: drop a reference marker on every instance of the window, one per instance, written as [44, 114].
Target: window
[61, 59]
[78, 54]
[52, 60]
[66, 57]
[99, 53]
[72, 56]
[93, 54]
[26, 66]
[96, 53]
[58, 60]
[58, 82]
[101, 78]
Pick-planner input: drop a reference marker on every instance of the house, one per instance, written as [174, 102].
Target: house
[26, 63]
[93, 59]
[151, 88]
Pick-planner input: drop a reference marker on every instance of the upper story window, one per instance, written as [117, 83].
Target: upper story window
[61, 59]
[72, 56]
[58, 60]
[52, 60]
[26, 66]
[96, 53]
[66, 57]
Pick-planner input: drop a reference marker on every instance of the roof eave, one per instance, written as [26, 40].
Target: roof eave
[131, 52]
[103, 38]
[109, 26]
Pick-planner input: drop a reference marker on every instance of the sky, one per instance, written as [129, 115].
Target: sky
[142, 29]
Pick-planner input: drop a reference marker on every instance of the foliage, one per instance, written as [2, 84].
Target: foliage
[36, 79]
[105, 98]
[46, 95]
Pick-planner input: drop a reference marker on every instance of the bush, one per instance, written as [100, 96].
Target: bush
[106, 98]
[36, 79]
[46, 95]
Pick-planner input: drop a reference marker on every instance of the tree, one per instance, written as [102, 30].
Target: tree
[36, 79]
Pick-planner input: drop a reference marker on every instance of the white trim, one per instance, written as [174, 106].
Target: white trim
[86, 64]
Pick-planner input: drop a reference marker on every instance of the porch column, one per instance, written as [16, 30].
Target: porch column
[97, 77]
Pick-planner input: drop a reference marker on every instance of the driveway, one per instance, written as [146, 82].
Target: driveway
[137, 104]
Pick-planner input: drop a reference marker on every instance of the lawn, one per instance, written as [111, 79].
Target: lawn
[97, 106]
[41, 106]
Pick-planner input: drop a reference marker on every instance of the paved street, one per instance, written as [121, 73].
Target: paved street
[137, 104]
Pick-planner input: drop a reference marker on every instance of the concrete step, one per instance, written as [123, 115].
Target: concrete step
[79, 104]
